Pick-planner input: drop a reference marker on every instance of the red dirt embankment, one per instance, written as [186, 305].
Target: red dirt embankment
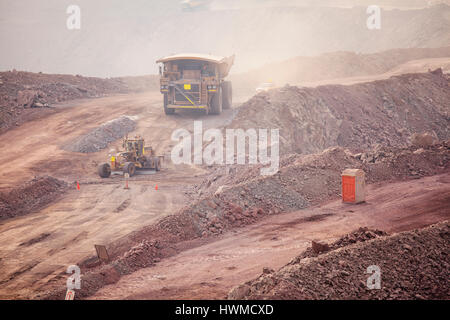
[413, 265]
[30, 196]
[366, 115]
[332, 65]
[27, 95]
[359, 116]
[301, 182]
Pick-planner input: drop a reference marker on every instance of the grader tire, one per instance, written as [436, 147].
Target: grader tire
[129, 168]
[104, 170]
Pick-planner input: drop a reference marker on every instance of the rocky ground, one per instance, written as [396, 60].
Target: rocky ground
[395, 129]
[357, 117]
[30, 196]
[241, 198]
[27, 95]
[301, 182]
[309, 174]
[413, 264]
[99, 138]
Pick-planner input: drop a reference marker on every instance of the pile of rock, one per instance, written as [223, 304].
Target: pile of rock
[357, 116]
[141, 255]
[30, 196]
[99, 138]
[229, 201]
[32, 99]
[412, 265]
[320, 247]
[23, 93]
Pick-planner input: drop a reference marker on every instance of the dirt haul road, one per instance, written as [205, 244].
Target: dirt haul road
[39, 246]
[210, 271]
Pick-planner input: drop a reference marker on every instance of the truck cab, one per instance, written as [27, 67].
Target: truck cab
[195, 81]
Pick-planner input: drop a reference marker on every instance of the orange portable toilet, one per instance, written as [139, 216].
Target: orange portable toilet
[353, 186]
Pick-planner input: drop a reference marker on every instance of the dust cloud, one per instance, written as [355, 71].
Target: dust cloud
[125, 38]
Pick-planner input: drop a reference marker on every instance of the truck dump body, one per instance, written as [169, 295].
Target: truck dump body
[195, 81]
[225, 63]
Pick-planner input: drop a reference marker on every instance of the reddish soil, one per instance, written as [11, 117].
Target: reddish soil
[203, 217]
[31, 196]
[246, 203]
[101, 211]
[413, 265]
[21, 93]
[357, 116]
[211, 270]
[25, 95]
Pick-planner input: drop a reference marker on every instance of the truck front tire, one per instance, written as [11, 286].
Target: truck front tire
[166, 103]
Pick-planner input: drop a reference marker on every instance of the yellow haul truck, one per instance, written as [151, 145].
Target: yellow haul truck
[195, 81]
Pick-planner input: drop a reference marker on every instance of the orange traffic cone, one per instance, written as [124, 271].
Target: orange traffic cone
[156, 188]
[78, 186]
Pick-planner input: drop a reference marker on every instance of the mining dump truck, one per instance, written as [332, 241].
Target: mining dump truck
[195, 81]
[135, 156]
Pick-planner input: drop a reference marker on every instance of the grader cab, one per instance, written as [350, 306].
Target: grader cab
[135, 156]
[195, 81]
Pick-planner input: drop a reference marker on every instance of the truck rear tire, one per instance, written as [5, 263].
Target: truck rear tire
[129, 168]
[166, 103]
[104, 170]
[227, 95]
[216, 102]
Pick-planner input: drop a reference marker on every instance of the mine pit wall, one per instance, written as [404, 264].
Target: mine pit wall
[357, 117]
[28, 95]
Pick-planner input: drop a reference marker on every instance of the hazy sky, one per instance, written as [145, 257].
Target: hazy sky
[126, 37]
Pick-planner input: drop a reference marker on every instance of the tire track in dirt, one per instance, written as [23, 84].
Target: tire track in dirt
[211, 270]
[101, 211]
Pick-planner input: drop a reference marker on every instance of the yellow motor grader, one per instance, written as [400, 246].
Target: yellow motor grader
[135, 156]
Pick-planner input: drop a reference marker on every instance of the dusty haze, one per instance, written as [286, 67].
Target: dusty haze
[120, 38]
